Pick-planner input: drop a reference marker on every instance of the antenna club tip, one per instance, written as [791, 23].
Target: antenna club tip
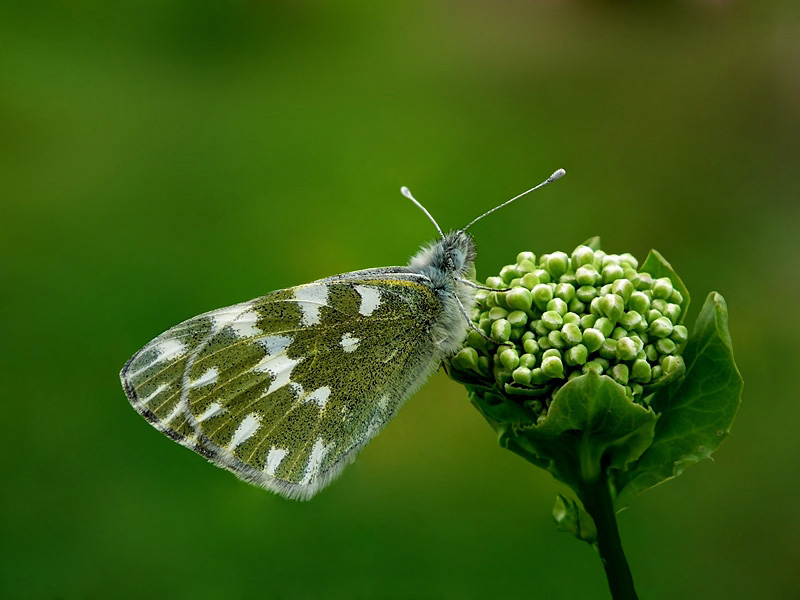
[558, 174]
[406, 192]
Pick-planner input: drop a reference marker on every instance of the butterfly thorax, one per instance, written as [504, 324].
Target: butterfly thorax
[445, 262]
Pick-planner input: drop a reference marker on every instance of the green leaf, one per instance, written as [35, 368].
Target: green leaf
[591, 424]
[657, 266]
[571, 518]
[695, 415]
[593, 242]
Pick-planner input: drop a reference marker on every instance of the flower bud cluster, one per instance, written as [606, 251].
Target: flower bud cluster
[562, 315]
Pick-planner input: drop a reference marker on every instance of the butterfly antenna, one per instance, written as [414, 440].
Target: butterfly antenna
[557, 175]
[407, 193]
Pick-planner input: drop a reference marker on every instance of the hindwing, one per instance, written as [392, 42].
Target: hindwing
[286, 389]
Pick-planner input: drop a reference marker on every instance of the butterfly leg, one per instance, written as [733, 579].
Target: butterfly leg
[473, 326]
[481, 287]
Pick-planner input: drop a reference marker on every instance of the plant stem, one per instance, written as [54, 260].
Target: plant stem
[596, 497]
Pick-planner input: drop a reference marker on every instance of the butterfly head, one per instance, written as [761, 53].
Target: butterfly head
[447, 259]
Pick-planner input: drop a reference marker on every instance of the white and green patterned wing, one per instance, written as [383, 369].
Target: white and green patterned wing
[286, 389]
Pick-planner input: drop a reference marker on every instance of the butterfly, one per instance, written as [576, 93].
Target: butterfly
[286, 389]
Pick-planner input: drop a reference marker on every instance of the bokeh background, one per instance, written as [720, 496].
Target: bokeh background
[161, 158]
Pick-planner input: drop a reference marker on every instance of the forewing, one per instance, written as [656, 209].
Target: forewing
[286, 389]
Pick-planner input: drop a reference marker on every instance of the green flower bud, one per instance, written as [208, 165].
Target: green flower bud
[557, 264]
[593, 365]
[571, 334]
[662, 288]
[571, 317]
[586, 293]
[672, 312]
[659, 304]
[530, 346]
[588, 321]
[679, 334]
[629, 260]
[544, 276]
[542, 294]
[612, 272]
[576, 355]
[495, 282]
[527, 360]
[594, 306]
[608, 349]
[593, 339]
[665, 346]
[623, 288]
[620, 373]
[657, 372]
[497, 313]
[515, 282]
[501, 331]
[530, 280]
[509, 358]
[552, 319]
[538, 377]
[645, 282]
[672, 365]
[544, 343]
[661, 327]
[516, 332]
[558, 305]
[568, 279]
[466, 359]
[641, 371]
[619, 333]
[576, 306]
[611, 306]
[582, 255]
[626, 349]
[586, 275]
[539, 327]
[604, 326]
[521, 375]
[565, 292]
[523, 256]
[556, 340]
[518, 318]
[676, 297]
[519, 299]
[651, 353]
[509, 272]
[631, 319]
[485, 324]
[553, 367]
[551, 352]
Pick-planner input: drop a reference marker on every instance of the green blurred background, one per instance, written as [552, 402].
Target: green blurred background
[162, 158]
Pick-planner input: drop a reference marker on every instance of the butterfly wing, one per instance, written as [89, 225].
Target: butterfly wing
[286, 389]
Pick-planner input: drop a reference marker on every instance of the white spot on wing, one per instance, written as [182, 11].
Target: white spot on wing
[161, 387]
[275, 344]
[179, 407]
[318, 453]
[213, 409]
[245, 430]
[320, 396]
[370, 299]
[245, 326]
[310, 299]
[169, 349]
[274, 459]
[280, 367]
[206, 378]
[349, 342]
